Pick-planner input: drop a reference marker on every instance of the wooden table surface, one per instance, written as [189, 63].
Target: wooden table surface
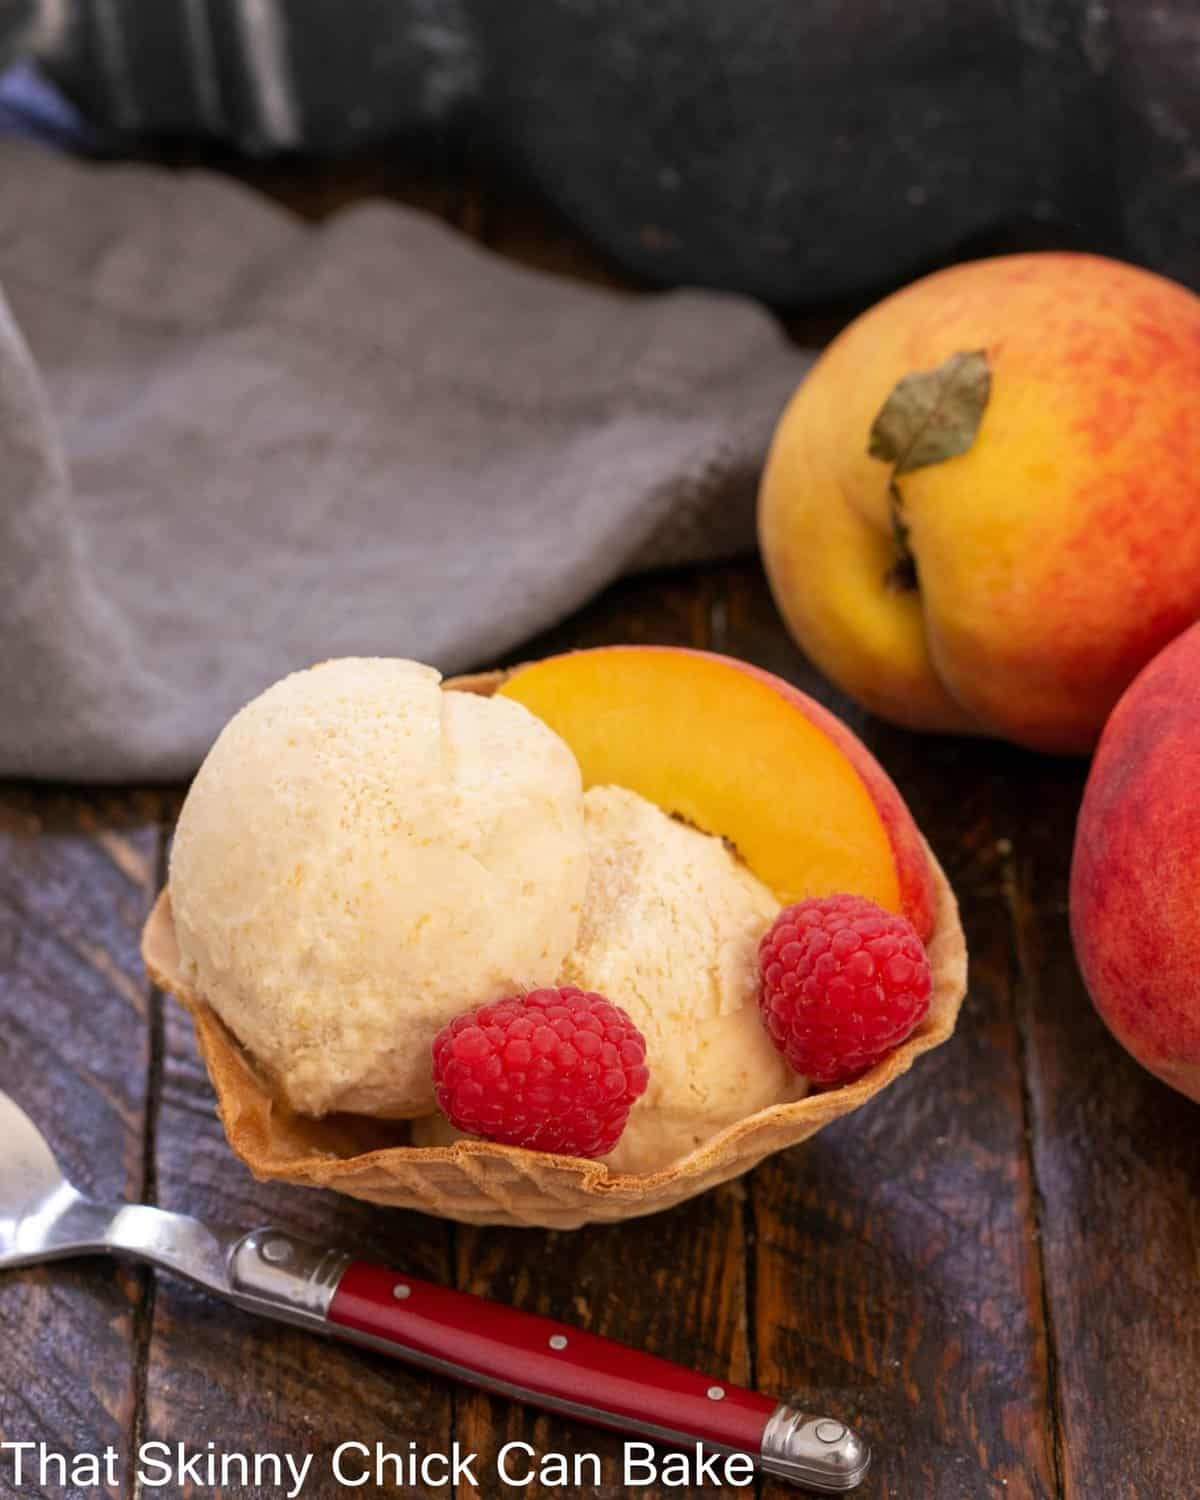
[991, 1269]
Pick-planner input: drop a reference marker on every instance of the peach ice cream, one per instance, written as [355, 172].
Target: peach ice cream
[669, 931]
[363, 855]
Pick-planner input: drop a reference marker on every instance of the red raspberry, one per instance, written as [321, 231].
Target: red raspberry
[555, 1070]
[843, 982]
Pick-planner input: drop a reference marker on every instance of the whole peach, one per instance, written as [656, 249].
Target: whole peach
[1135, 876]
[1016, 587]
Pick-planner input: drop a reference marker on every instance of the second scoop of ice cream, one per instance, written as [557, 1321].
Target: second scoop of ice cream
[670, 930]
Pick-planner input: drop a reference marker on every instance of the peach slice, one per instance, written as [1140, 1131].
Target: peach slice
[741, 754]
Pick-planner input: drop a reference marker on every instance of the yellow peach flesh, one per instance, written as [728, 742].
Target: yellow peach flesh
[721, 747]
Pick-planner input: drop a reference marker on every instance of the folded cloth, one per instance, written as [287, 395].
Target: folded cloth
[232, 444]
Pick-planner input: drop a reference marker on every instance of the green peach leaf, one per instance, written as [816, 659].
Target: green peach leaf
[933, 415]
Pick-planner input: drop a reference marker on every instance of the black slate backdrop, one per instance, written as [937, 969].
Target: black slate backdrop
[796, 150]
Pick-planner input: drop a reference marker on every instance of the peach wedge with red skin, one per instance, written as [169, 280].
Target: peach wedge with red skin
[1135, 876]
[1054, 555]
[743, 755]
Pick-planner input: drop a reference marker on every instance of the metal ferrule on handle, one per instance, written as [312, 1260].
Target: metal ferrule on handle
[817, 1451]
[530, 1358]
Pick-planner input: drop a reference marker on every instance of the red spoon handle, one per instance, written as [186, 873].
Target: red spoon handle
[547, 1363]
[538, 1360]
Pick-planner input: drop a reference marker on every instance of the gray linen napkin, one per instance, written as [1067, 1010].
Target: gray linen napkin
[232, 444]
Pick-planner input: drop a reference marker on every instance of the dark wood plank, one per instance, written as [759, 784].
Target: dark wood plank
[253, 1386]
[1118, 1169]
[896, 1271]
[76, 877]
[675, 1283]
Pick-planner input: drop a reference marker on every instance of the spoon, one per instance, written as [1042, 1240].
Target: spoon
[521, 1355]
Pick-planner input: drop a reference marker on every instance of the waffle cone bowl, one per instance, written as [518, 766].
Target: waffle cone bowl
[483, 1182]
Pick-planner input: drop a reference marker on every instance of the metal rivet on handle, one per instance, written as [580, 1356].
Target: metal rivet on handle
[277, 1250]
[401, 1290]
[716, 1393]
[558, 1341]
[830, 1432]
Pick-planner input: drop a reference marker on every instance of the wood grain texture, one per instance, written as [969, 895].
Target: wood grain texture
[76, 877]
[213, 1373]
[1118, 1166]
[674, 1285]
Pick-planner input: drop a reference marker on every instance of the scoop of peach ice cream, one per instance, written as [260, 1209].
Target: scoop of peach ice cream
[362, 856]
[670, 930]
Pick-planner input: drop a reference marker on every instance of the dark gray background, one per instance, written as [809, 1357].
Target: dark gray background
[797, 150]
